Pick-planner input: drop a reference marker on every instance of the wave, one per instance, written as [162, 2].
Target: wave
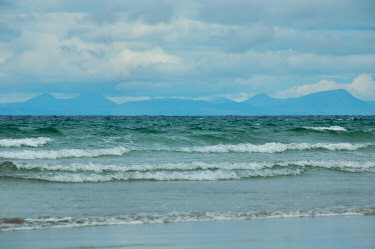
[219, 148]
[64, 153]
[272, 147]
[100, 168]
[330, 128]
[30, 142]
[48, 130]
[9, 129]
[205, 175]
[347, 166]
[195, 171]
[16, 224]
[147, 130]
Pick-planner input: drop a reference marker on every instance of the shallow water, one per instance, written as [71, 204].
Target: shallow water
[88, 171]
[318, 232]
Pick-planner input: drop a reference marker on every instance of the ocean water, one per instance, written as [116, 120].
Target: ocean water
[93, 171]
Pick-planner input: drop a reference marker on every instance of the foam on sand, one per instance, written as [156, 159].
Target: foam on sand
[17, 224]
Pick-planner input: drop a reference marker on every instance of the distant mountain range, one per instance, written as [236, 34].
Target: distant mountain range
[336, 102]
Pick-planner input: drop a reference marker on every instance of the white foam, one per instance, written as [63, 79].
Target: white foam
[219, 148]
[157, 176]
[100, 168]
[64, 153]
[79, 172]
[173, 217]
[166, 175]
[272, 147]
[31, 142]
[331, 128]
[347, 166]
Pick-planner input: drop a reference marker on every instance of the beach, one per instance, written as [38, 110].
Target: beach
[187, 124]
[311, 232]
[187, 182]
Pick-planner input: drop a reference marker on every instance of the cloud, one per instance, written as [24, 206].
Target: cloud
[120, 100]
[362, 87]
[144, 85]
[235, 12]
[153, 13]
[13, 97]
[175, 48]
[240, 39]
[64, 95]
[324, 42]
[128, 60]
[308, 14]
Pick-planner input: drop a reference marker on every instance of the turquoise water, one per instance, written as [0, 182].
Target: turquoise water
[90, 171]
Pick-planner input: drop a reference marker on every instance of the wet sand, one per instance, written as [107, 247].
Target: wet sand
[313, 232]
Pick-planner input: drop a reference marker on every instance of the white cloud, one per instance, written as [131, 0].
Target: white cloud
[362, 87]
[4, 54]
[143, 85]
[120, 100]
[238, 97]
[64, 95]
[128, 60]
[14, 97]
[197, 48]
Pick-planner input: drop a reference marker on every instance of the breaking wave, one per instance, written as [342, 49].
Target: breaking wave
[219, 148]
[195, 171]
[273, 147]
[347, 166]
[30, 142]
[63, 153]
[202, 175]
[16, 224]
[331, 128]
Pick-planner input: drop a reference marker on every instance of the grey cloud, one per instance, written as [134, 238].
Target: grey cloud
[102, 17]
[232, 12]
[339, 42]
[360, 43]
[152, 13]
[309, 14]
[8, 33]
[226, 46]
[330, 14]
[242, 39]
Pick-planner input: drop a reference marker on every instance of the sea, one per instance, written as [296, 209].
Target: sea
[77, 171]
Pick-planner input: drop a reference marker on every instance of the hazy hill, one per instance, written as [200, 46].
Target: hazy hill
[46, 104]
[172, 106]
[90, 104]
[336, 102]
[186, 107]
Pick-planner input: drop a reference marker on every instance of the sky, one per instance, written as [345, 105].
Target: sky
[135, 50]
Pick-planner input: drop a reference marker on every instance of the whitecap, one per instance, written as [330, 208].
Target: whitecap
[211, 171]
[100, 168]
[271, 147]
[331, 128]
[174, 217]
[30, 142]
[63, 153]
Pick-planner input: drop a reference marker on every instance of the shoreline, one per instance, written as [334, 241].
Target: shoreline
[305, 232]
